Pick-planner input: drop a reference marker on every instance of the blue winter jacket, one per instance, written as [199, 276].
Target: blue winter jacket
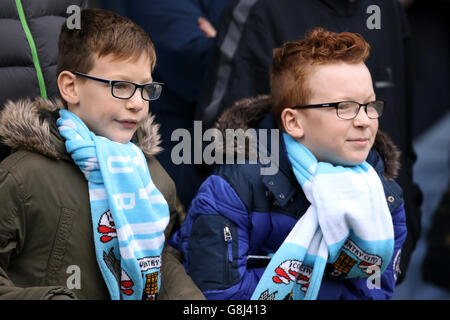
[239, 213]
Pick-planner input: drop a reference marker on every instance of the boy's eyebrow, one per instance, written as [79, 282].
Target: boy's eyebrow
[127, 78]
[368, 98]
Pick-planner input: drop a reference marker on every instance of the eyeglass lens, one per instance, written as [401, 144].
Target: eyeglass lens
[152, 91]
[348, 109]
[125, 90]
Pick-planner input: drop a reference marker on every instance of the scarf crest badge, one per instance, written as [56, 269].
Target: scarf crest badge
[129, 213]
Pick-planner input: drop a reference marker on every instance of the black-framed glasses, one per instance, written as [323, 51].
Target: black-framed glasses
[348, 110]
[122, 89]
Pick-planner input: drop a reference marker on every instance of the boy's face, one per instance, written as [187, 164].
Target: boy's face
[329, 138]
[105, 115]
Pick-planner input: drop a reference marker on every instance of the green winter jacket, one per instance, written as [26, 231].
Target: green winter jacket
[46, 232]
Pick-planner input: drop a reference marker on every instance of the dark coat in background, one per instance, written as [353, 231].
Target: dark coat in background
[29, 48]
[436, 262]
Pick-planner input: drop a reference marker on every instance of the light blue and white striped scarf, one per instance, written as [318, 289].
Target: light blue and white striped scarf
[347, 229]
[129, 214]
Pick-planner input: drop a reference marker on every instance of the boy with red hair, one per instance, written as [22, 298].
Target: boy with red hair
[330, 223]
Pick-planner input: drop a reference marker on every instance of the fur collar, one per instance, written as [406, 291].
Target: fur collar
[249, 112]
[31, 125]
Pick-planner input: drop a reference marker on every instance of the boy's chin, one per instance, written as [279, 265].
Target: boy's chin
[350, 162]
[347, 162]
[122, 141]
[119, 139]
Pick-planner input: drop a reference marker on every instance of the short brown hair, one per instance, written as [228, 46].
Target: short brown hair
[288, 75]
[102, 32]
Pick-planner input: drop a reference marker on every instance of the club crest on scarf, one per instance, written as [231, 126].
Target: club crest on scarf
[129, 214]
[351, 255]
[296, 272]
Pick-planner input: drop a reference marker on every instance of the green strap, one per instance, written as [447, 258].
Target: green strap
[34, 54]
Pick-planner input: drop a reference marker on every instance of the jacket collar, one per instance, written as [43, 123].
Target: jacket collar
[283, 185]
[31, 125]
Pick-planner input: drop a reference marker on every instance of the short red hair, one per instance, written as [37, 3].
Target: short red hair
[292, 61]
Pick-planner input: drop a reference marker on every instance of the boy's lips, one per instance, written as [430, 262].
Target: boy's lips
[128, 123]
[359, 142]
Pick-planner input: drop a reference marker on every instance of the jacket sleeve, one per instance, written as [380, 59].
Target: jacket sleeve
[174, 276]
[376, 287]
[175, 283]
[12, 236]
[215, 240]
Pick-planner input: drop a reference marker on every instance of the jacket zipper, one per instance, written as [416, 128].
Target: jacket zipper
[228, 240]
[229, 252]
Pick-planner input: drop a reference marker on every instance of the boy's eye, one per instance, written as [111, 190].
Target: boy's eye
[123, 90]
[346, 105]
[122, 85]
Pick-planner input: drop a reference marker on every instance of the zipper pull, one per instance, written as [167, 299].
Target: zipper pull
[227, 234]
[228, 239]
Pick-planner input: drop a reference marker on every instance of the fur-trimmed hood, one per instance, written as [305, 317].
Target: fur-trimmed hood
[249, 112]
[31, 125]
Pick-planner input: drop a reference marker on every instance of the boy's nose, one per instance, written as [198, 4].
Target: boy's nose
[362, 119]
[136, 102]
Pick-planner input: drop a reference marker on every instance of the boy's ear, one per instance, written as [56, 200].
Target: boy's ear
[67, 87]
[292, 123]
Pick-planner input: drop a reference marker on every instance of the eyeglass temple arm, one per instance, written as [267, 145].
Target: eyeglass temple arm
[323, 105]
[91, 77]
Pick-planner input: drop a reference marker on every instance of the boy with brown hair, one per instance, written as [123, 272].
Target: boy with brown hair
[86, 211]
[330, 223]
